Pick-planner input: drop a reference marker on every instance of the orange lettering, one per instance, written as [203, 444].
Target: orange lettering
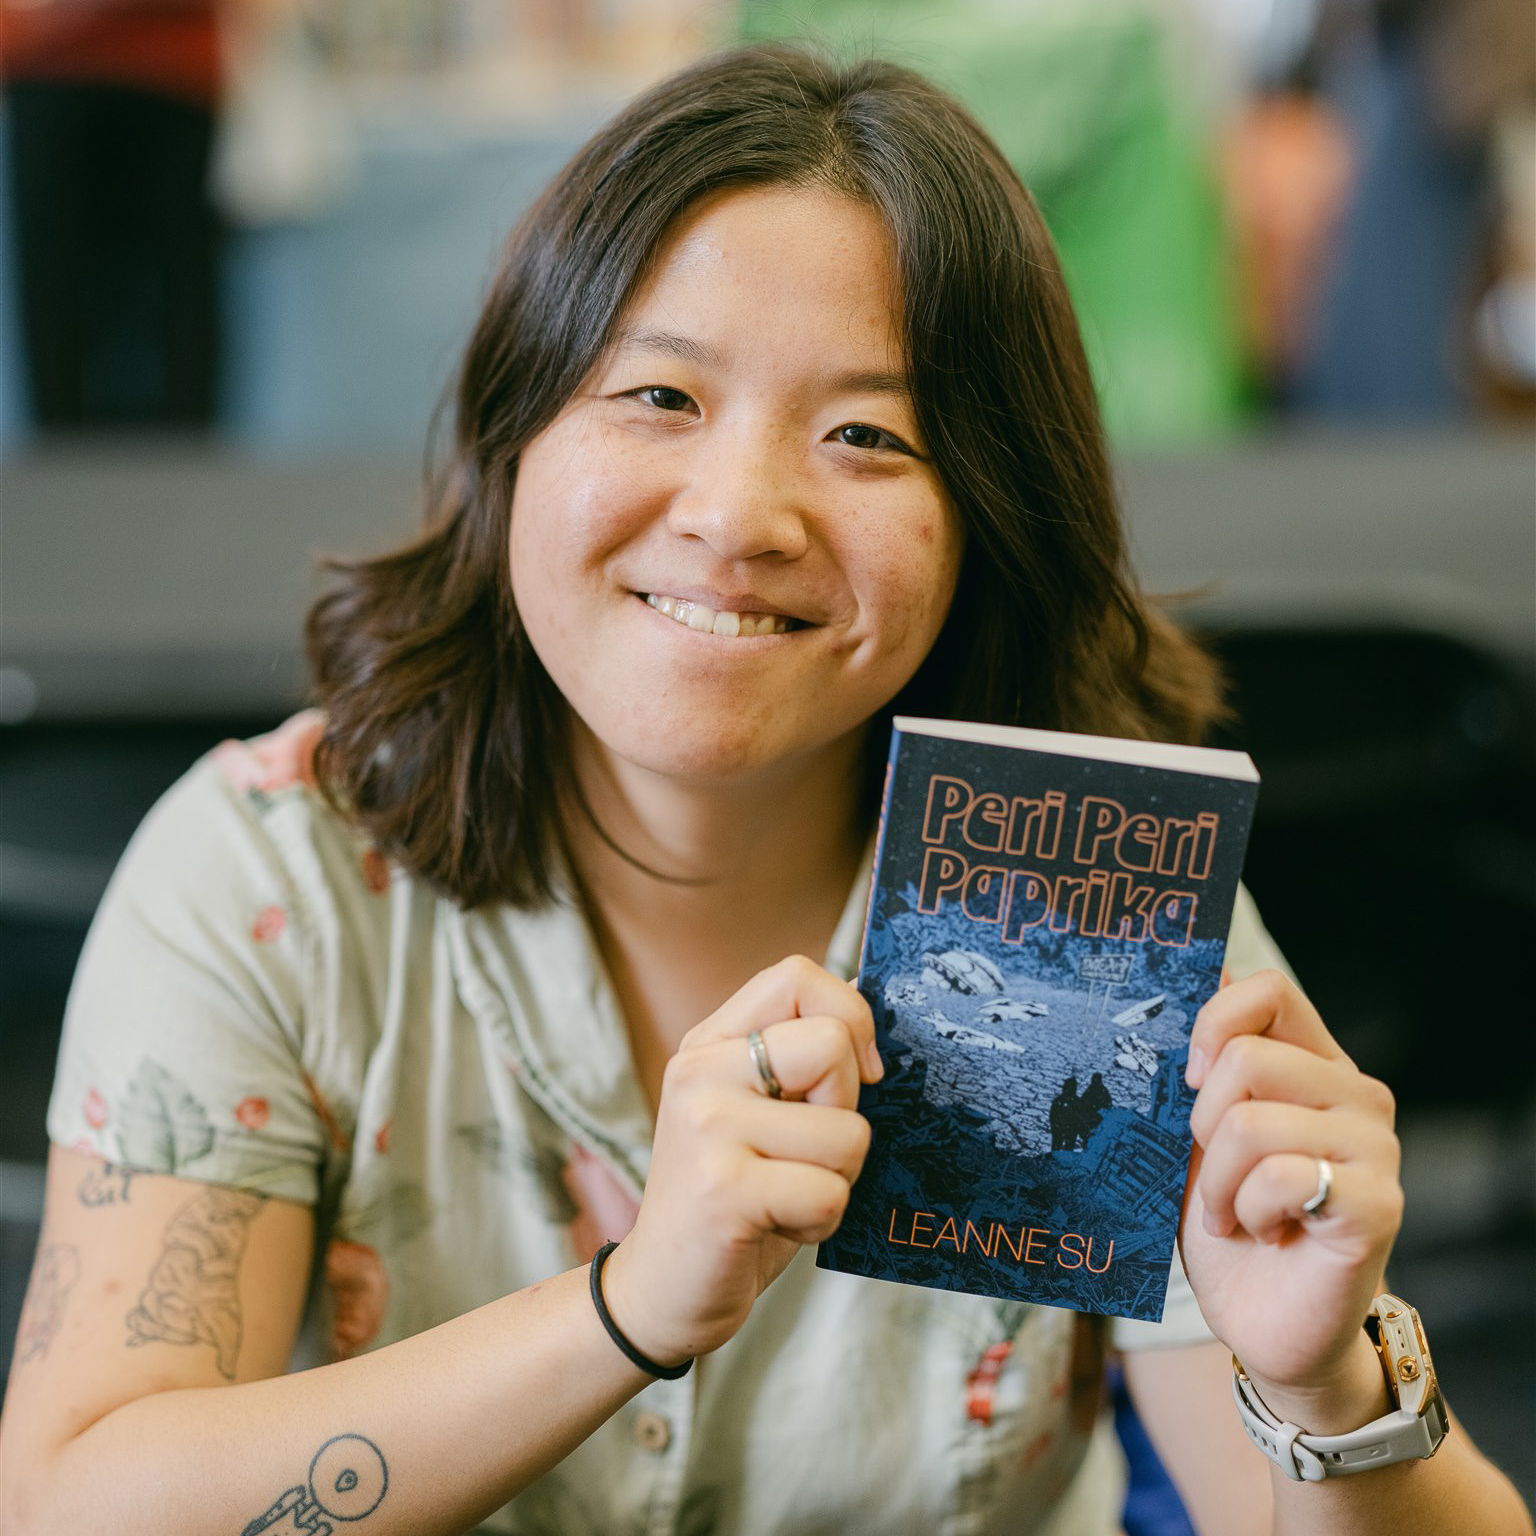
[999, 1231]
[982, 1243]
[1071, 1242]
[943, 873]
[947, 799]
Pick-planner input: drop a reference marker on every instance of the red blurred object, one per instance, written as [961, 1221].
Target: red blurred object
[172, 48]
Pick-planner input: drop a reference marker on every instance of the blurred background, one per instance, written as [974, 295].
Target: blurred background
[241, 244]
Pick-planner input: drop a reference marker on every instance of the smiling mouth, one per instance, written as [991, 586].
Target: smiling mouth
[705, 620]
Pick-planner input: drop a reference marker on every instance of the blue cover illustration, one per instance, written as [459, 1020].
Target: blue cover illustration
[1042, 931]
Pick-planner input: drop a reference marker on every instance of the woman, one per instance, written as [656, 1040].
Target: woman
[776, 417]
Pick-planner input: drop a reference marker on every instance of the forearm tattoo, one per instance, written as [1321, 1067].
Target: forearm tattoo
[193, 1293]
[347, 1481]
[53, 1277]
[107, 1184]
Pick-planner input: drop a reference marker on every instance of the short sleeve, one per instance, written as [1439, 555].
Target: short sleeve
[1249, 949]
[182, 1048]
[1249, 946]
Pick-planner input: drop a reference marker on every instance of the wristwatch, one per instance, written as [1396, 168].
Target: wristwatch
[1413, 1430]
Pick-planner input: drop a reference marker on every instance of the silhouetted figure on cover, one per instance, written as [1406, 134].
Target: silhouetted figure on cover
[1090, 1108]
[1065, 1110]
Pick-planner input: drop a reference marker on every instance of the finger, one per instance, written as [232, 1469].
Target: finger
[1256, 1129]
[1275, 1193]
[797, 1200]
[1261, 1067]
[836, 1139]
[795, 988]
[1266, 1003]
[812, 1058]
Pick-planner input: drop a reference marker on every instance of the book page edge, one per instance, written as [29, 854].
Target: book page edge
[1216, 761]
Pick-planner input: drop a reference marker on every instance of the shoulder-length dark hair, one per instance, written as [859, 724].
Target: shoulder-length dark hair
[445, 738]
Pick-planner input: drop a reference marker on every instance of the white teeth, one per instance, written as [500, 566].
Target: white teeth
[707, 621]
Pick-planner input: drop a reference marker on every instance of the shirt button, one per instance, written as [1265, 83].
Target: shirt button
[652, 1432]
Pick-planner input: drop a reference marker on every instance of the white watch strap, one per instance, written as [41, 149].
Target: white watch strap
[1396, 1436]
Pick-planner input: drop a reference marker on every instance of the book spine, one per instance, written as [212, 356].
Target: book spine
[880, 831]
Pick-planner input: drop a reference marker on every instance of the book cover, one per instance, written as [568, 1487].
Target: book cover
[1048, 914]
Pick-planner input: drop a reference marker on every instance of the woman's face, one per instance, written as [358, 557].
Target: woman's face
[729, 549]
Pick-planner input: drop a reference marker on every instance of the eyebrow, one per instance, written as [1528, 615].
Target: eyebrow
[688, 350]
[669, 344]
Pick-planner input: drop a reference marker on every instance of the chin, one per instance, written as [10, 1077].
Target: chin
[711, 758]
[701, 761]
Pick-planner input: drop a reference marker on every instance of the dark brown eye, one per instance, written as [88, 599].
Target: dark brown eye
[665, 398]
[859, 435]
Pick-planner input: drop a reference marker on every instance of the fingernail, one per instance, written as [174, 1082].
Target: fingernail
[873, 1065]
[1194, 1068]
[1211, 1225]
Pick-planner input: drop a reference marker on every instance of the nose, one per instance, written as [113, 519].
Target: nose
[742, 502]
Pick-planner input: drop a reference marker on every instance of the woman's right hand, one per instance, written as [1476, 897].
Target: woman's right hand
[738, 1180]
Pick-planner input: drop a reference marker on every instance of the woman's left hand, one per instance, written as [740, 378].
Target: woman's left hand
[1287, 1292]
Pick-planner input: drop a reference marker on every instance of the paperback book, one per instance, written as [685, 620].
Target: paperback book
[1049, 912]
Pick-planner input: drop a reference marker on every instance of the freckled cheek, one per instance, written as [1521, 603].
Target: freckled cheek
[925, 572]
[907, 604]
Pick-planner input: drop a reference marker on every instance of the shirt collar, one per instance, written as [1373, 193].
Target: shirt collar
[536, 983]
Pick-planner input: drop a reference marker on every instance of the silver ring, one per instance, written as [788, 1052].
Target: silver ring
[1318, 1204]
[759, 1050]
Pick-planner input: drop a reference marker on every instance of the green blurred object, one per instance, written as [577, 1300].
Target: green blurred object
[1101, 119]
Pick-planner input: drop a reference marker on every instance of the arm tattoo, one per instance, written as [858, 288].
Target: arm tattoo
[347, 1480]
[193, 1292]
[106, 1185]
[53, 1277]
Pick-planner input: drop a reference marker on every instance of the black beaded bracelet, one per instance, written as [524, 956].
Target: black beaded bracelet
[646, 1364]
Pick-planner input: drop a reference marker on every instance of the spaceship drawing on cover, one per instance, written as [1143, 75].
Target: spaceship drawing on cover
[1011, 1008]
[962, 975]
[1140, 1013]
[963, 1034]
[962, 970]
